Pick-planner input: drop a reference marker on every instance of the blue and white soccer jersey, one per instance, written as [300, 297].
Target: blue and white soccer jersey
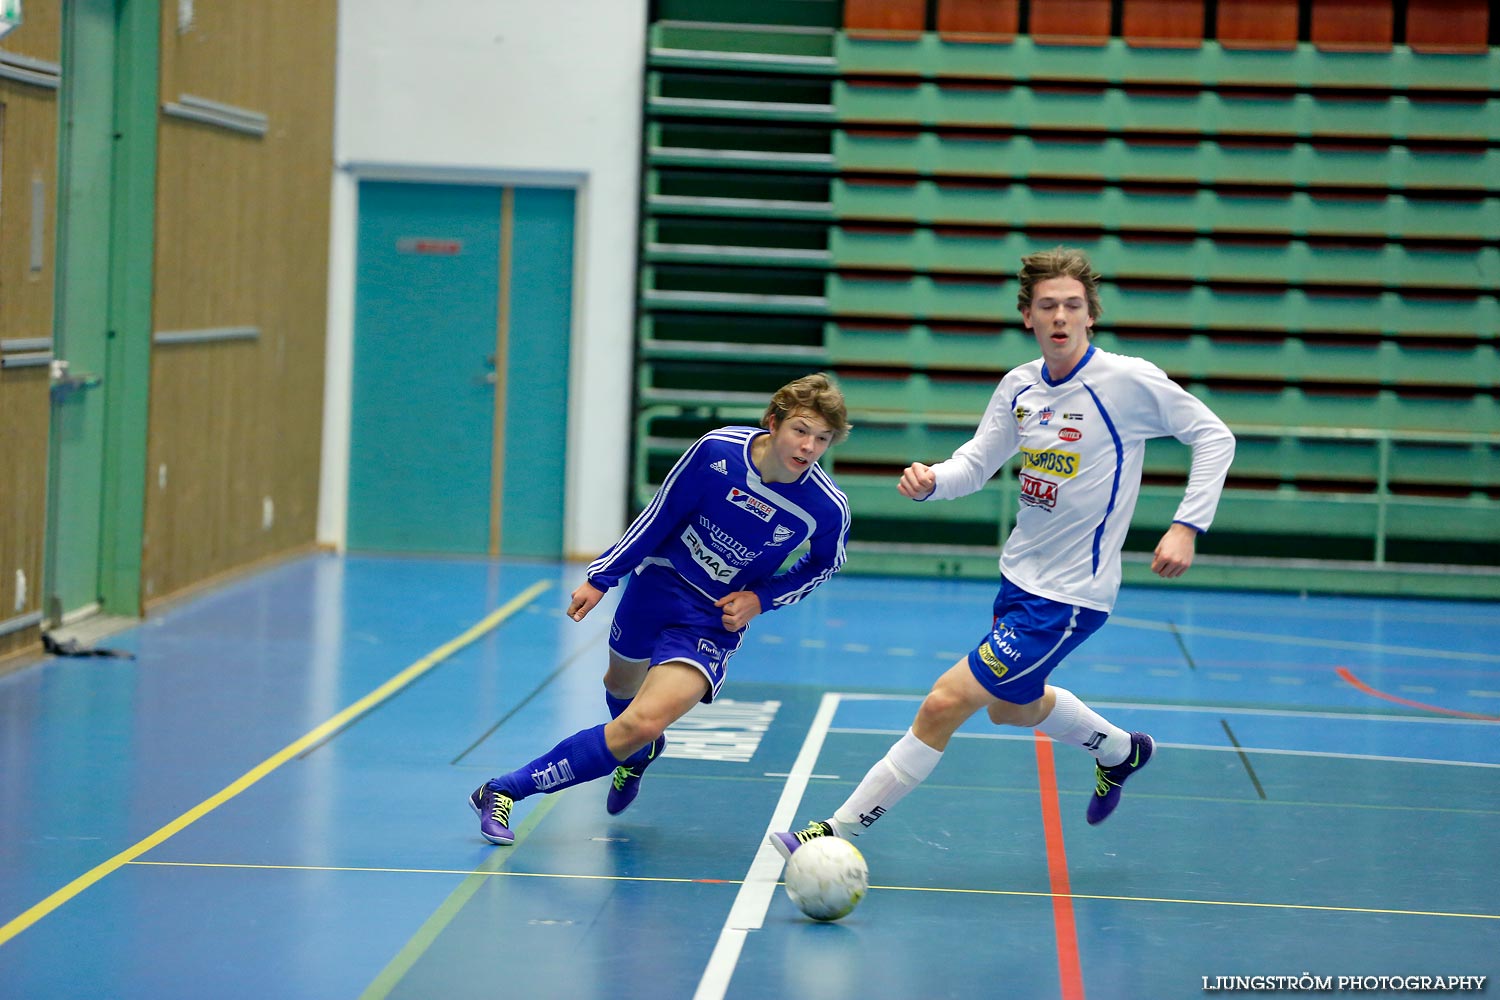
[661, 618]
[1082, 441]
[717, 528]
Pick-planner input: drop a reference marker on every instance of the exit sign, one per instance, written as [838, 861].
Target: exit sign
[432, 245]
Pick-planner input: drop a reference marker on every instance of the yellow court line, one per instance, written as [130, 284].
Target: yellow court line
[428, 871]
[891, 888]
[1205, 902]
[432, 928]
[265, 767]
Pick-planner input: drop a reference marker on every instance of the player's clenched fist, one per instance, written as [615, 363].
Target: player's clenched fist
[917, 481]
[584, 598]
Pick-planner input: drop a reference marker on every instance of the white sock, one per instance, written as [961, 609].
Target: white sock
[1071, 721]
[904, 767]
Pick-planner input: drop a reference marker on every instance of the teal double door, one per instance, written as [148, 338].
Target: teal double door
[106, 210]
[462, 323]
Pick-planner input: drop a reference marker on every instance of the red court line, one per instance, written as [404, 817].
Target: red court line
[1069, 970]
[1349, 677]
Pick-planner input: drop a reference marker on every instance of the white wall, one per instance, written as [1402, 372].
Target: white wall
[500, 91]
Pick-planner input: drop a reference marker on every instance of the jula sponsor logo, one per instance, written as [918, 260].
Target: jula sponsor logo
[1070, 434]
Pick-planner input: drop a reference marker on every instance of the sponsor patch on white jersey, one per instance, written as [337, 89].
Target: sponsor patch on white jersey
[1038, 492]
[753, 504]
[1052, 461]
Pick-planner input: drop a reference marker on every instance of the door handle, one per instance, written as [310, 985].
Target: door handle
[490, 377]
[65, 383]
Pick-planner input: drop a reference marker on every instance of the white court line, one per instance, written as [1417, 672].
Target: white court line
[1336, 756]
[1275, 713]
[754, 898]
[1292, 713]
[898, 733]
[1295, 640]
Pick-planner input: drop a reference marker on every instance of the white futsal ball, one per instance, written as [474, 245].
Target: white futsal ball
[827, 877]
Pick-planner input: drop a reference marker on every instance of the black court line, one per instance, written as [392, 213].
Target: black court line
[1244, 759]
[564, 665]
[336, 733]
[1182, 646]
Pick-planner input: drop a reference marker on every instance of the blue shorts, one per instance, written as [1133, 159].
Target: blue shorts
[661, 618]
[1030, 637]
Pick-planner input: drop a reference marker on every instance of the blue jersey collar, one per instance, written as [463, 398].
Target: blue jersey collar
[1076, 368]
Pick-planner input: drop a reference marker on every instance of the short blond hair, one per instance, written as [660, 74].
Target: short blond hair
[815, 394]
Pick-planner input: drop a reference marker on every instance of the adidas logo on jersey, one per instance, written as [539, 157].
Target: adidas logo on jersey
[721, 467]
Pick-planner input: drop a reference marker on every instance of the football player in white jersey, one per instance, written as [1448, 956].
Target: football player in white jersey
[705, 556]
[1079, 417]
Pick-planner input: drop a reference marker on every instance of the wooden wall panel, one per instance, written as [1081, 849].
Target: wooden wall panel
[1353, 25]
[1448, 26]
[242, 238]
[1163, 23]
[978, 20]
[40, 33]
[1257, 24]
[885, 17]
[28, 144]
[1070, 22]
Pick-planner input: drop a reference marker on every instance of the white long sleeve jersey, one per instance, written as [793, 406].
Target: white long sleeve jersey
[1082, 440]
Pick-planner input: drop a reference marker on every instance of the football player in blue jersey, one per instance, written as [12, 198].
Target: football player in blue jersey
[1079, 418]
[705, 556]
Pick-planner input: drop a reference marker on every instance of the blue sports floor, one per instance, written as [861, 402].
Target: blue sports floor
[270, 801]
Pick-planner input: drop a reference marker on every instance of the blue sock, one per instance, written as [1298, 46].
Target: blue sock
[581, 757]
[616, 705]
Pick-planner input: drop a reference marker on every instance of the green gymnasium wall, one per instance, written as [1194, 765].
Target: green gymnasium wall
[1306, 239]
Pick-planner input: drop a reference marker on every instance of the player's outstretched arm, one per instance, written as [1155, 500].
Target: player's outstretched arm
[917, 481]
[1174, 553]
[584, 598]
